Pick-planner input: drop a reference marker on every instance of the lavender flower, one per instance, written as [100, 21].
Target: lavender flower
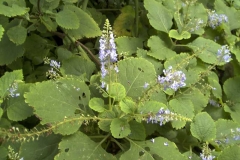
[13, 89]
[206, 157]
[224, 54]
[213, 103]
[172, 79]
[214, 19]
[161, 117]
[54, 64]
[108, 51]
[206, 153]
[145, 85]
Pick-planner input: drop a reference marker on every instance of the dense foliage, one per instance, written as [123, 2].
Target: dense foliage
[119, 79]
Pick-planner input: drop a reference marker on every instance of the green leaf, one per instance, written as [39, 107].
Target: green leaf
[17, 34]
[159, 17]
[17, 109]
[64, 54]
[79, 146]
[97, 104]
[133, 73]
[62, 97]
[87, 26]
[174, 34]
[158, 49]
[9, 51]
[120, 128]
[67, 19]
[106, 119]
[214, 83]
[230, 153]
[44, 148]
[124, 23]
[137, 131]
[150, 107]
[7, 80]
[203, 127]
[1, 31]
[182, 107]
[11, 11]
[205, 49]
[116, 91]
[1, 112]
[128, 44]
[48, 22]
[234, 111]
[127, 105]
[78, 66]
[3, 152]
[231, 87]
[149, 150]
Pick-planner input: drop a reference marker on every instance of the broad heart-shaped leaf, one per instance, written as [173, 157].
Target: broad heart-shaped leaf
[77, 66]
[203, 127]
[205, 49]
[11, 11]
[158, 49]
[62, 99]
[133, 74]
[137, 131]
[7, 80]
[97, 104]
[79, 146]
[127, 105]
[9, 51]
[230, 153]
[174, 34]
[45, 148]
[17, 109]
[159, 17]
[87, 26]
[150, 149]
[67, 19]
[181, 107]
[232, 14]
[231, 88]
[120, 128]
[128, 44]
[1, 31]
[116, 91]
[17, 34]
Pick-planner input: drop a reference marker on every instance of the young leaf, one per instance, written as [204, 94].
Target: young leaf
[120, 128]
[158, 49]
[97, 104]
[133, 73]
[17, 34]
[106, 119]
[67, 19]
[127, 105]
[203, 127]
[87, 26]
[9, 51]
[159, 17]
[79, 146]
[117, 91]
[174, 34]
[48, 145]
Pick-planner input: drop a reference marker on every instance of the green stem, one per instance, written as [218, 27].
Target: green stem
[136, 17]
[119, 145]
[83, 53]
[84, 5]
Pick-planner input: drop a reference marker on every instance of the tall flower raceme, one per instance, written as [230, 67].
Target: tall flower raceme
[215, 20]
[107, 52]
[172, 79]
[223, 54]
[206, 153]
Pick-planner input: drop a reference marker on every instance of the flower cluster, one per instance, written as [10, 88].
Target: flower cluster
[233, 136]
[172, 79]
[13, 89]
[214, 19]
[55, 66]
[213, 103]
[224, 54]
[108, 51]
[206, 153]
[162, 116]
[197, 24]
